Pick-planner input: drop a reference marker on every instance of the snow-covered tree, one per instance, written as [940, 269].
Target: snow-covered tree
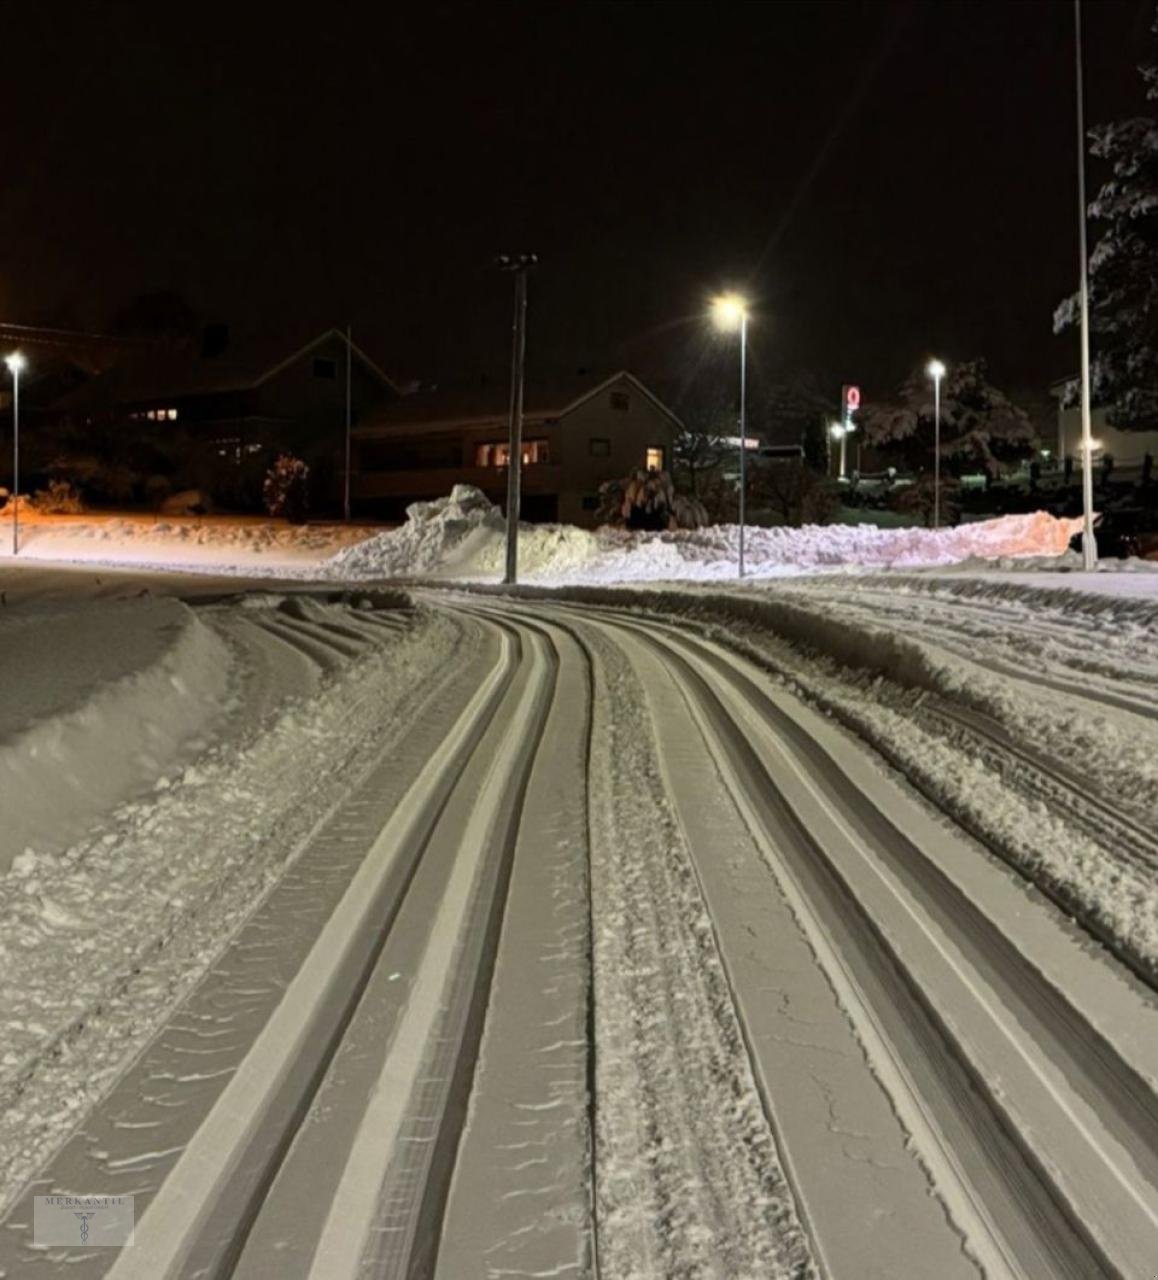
[980, 425]
[1123, 272]
[286, 489]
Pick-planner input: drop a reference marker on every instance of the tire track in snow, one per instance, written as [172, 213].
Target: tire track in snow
[1105, 1110]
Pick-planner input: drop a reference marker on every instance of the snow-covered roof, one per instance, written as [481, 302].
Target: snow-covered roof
[159, 372]
[489, 402]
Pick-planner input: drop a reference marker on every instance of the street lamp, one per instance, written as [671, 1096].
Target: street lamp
[15, 363]
[730, 312]
[837, 431]
[1089, 545]
[936, 370]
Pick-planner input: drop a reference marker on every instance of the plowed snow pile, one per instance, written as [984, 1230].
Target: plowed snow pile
[98, 698]
[461, 537]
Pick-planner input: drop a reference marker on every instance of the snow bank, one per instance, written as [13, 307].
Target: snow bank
[461, 537]
[125, 686]
[194, 542]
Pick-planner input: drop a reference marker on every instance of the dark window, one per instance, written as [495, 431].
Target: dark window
[590, 502]
[325, 368]
[600, 448]
[620, 400]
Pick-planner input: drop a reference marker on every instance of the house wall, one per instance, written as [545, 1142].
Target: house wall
[642, 425]
[394, 467]
[314, 411]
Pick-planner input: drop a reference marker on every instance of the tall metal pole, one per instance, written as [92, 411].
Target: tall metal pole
[936, 451]
[349, 420]
[743, 431]
[15, 458]
[515, 443]
[1089, 546]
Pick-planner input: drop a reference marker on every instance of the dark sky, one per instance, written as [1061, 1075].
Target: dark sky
[886, 179]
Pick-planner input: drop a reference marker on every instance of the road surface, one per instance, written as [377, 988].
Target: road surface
[635, 963]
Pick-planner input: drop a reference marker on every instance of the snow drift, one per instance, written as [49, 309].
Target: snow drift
[125, 687]
[461, 537]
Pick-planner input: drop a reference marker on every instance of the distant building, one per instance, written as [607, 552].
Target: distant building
[238, 404]
[1127, 448]
[576, 435]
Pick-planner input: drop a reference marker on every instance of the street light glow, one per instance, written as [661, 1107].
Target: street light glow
[729, 311]
[15, 362]
[935, 369]
[836, 430]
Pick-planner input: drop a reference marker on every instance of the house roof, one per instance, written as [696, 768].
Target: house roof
[489, 401]
[160, 372]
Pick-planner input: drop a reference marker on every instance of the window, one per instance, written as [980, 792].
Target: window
[325, 368]
[600, 447]
[159, 415]
[655, 459]
[620, 401]
[496, 453]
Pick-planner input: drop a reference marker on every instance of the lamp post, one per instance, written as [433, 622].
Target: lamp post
[518, 264]
[837, 432]
[1089, 545]
[349, 423]
[15, 363]
[936, 371]
[730, 312]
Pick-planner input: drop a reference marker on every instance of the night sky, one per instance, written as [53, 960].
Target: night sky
[885, 179]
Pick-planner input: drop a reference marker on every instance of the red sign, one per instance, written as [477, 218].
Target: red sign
[852, 399]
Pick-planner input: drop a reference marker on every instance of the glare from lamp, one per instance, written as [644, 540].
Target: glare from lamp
[836, 430]
[935, 369]
[729, 311]
[15, 362]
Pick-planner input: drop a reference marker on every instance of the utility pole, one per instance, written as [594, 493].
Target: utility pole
[1089, 545]
[349, 419]
[743, 434]
[519, 265]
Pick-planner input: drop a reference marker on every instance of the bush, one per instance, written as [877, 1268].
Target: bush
[792, 491]
[917, 500]
[647, 500]
[61, 498]
[286, 489]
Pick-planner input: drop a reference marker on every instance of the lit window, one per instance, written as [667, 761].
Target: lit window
[172, 414]
[497, 454]
[600, 448]
[655, 459]
[620, 401]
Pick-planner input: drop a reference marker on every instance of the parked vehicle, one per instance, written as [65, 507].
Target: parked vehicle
[1116, 533]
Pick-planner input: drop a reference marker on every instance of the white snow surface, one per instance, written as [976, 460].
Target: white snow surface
[461, 537]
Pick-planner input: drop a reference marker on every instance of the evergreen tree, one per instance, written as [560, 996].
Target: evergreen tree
[980, 425]
[1123, 273]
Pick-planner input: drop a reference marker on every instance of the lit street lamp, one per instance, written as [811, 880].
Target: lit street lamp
[837, 431]
[936, 371]
[730, 312]
[15, 363]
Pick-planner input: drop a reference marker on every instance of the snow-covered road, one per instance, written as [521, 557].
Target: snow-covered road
[662, 935]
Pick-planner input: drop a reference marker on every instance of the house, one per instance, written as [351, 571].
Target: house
[235, 405]
[577, 434]
[1128, 449]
